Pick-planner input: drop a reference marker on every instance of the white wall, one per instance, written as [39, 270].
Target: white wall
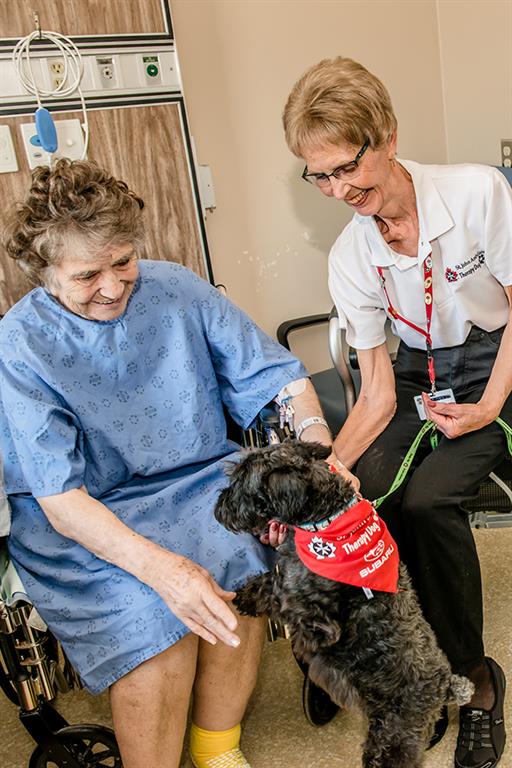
[476, 60]
[271, 232]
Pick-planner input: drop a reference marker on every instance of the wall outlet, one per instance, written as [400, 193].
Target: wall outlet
[506, 153]
[56, 69]
[56, 66]
[106, 71]
[8, 162]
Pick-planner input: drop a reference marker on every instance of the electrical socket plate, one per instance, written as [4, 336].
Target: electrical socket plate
[106, 71]
[506, 153]
[70, 139]
[8, 162]
[56, 69]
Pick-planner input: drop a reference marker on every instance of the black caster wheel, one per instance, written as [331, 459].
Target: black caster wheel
[92, 746]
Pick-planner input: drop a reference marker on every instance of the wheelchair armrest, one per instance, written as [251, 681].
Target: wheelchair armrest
[288, 326]
[11, 587]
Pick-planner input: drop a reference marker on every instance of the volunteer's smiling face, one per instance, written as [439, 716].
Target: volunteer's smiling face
[366, 189]
[97, 288]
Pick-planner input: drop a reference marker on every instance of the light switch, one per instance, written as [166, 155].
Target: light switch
[8, 162]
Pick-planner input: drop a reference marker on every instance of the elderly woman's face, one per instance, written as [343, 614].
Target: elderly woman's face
[368, 188]
[96, 288]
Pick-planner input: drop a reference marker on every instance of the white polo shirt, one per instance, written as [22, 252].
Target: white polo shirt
[465, 221]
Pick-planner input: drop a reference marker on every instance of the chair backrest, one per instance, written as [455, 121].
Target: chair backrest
[344, 357]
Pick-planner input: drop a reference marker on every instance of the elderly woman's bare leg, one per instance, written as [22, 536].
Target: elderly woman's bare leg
[226, 677]
[150, 706]
[225, 680]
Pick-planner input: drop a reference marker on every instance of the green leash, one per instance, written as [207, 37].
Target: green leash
[427, 427]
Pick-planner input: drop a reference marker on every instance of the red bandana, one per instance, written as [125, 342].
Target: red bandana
[356, 548]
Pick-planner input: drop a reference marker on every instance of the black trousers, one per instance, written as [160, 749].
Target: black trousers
[426, 514]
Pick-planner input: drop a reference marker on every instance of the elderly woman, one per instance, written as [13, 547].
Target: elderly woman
[429, 247]
[114, 376]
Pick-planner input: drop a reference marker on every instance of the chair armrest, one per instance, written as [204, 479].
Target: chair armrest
[288, 326]
[336, 348]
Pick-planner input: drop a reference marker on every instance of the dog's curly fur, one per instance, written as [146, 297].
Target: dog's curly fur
[379, 654]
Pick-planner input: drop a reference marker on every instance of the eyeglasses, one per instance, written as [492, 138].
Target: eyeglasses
[341, 172]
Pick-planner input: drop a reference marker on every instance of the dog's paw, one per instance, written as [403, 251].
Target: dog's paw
[255, 597]
[309, 640]
[244, 606]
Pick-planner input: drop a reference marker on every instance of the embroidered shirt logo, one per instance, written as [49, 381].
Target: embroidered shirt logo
[465, 268]
[320, 548]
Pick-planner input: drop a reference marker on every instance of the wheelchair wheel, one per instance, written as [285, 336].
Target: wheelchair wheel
[92, 746]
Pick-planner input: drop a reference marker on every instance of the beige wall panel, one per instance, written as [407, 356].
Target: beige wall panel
[144, 147]
[82, 17]
[271, 232]
[476, 58]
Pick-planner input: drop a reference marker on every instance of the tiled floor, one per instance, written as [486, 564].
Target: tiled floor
[275, 733]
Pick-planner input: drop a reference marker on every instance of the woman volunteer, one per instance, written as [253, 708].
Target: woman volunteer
[430, 247]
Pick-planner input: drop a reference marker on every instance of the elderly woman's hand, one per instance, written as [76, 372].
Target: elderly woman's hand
[195, 598]
[275, 535]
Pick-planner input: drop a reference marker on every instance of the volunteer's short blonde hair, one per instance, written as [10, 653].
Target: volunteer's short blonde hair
[338, 101]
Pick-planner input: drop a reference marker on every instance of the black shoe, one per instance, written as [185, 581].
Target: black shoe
[481, 739]
[318, 706]
[439, 728]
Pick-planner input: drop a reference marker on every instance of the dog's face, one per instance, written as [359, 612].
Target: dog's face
[289, 482]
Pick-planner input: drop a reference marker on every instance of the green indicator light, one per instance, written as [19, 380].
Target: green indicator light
[152, 70]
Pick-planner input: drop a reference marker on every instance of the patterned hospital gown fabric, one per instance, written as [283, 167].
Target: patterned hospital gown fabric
[132, 408]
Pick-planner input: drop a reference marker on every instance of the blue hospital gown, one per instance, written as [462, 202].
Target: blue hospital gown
[132, 408]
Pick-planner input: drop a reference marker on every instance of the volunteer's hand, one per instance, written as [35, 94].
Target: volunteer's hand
[455, 419]
[342, 470]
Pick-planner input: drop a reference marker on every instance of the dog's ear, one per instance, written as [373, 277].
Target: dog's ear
[235, 509]
[286, 488]
[240, 505]
[225, 503]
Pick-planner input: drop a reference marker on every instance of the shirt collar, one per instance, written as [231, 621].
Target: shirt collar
[433, 216]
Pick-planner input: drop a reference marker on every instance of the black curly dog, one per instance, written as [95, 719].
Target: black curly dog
[379, 654]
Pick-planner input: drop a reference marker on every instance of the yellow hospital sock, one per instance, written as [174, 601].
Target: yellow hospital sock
[216, 749]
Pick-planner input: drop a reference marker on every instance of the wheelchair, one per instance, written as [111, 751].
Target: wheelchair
[33, 667]
[338, 388]
[33, 670]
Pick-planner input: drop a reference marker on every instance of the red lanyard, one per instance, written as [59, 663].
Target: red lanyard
[429, 297]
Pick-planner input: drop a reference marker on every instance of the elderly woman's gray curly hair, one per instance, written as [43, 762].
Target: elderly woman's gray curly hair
[75, 207]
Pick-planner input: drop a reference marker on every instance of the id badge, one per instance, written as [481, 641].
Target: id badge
[446, 395]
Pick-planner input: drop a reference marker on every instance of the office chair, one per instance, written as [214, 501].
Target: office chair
[492, 508]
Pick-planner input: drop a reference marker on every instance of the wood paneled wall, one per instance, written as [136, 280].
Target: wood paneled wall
[82, 17]
[144, 146]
